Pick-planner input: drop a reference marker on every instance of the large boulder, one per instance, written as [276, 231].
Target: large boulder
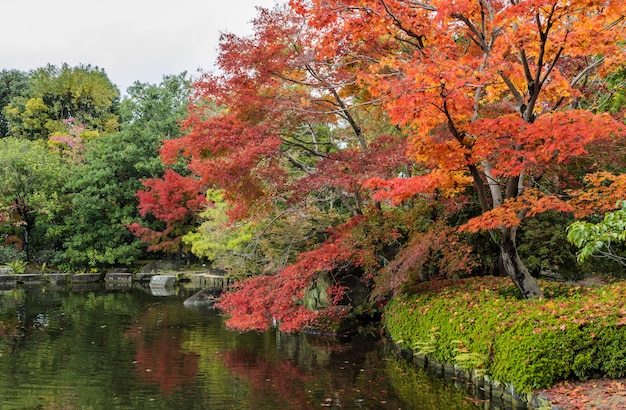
[204, 297]
[162, 281]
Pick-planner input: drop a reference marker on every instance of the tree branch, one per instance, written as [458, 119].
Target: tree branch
[516, 94]
[480, 37]
[410, 33]
[422, 5]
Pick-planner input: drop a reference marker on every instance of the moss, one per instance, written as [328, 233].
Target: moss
[575, 333]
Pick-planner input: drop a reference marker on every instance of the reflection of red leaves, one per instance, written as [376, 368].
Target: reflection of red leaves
[159, 359]
[283, 378]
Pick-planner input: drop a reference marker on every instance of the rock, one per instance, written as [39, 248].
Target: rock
[162, 292]
[58, 278]
[118, 285]
[8, 281]
[144, 277]
[117, 276]
[162, 281]
[204, 297]
[208, 280]
[119, 270]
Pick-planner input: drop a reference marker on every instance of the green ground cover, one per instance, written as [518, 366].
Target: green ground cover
[575, 333]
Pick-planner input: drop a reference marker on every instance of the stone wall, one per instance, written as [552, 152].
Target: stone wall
[499, 395]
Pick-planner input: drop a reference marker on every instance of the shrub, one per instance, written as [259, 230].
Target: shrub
[18, 267]
[10, 253]
[543, 245]
[574, 333]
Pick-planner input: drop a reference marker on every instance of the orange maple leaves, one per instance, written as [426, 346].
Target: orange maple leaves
[485, 89]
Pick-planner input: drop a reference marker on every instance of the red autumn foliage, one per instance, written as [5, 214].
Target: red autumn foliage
[489, 94]
[261, 142]
[256, 303]
[284, 131]
[437, 254]
[175, 200]
[359, 101]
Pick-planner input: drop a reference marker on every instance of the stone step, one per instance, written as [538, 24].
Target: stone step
[58, 278]
[123, 277]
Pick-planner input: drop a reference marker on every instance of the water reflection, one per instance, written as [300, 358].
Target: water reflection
[134, 350]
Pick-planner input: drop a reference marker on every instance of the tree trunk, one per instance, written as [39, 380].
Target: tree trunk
[512, 266]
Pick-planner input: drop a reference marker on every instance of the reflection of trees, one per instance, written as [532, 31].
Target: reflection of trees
[76, 351]
[73, 337]
[12, 329]
[159, 358]
[313, 372]
[269, 380]
[422, 391]
[23, 318]
[310, 372]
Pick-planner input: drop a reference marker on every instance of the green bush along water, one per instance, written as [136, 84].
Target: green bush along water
[575, 333]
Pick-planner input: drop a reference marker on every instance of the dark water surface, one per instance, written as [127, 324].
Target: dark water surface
[134, 350]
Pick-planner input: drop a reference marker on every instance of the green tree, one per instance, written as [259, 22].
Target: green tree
[83, 94]
[157, 108]
[102, 191]
[30, 181]
[604, 239]
[103, 188]
[13, 83]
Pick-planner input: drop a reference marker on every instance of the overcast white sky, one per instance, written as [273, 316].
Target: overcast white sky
[133, 40]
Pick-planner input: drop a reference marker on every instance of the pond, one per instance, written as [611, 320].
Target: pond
[131, 349]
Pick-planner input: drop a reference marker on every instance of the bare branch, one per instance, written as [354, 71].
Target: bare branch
[516, 94]
[422, 5]
[478, 38]
[586, 70]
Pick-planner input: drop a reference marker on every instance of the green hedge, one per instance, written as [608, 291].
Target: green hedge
[479, 323]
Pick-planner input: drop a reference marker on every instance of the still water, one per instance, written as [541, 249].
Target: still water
[99, 349]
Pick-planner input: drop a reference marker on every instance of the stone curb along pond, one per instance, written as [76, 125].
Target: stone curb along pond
[117, 279]
[477, 385]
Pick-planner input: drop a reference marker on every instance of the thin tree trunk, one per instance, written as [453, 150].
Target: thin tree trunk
[512, 266]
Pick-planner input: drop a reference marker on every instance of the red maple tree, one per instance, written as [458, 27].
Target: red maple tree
[286, 126]
[483, 100]
[490, 93]
[173, 199]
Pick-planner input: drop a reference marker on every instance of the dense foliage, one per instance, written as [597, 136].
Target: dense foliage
[55, 94]
[30, 185]
[575, 332]
[603, 239]
[69, 183]
[493, 107]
